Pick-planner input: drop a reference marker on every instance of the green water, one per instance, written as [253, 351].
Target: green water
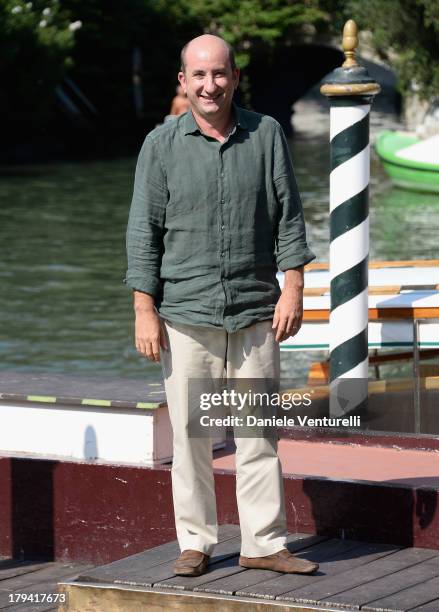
[64, 308]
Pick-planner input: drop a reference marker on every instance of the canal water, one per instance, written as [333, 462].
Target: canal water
[64, 308]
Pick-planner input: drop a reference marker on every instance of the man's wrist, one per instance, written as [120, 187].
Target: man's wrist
[139, 310]
[294, 279]
[296, 288]
[143, 303]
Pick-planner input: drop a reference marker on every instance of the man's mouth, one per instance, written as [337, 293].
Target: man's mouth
[206, 99]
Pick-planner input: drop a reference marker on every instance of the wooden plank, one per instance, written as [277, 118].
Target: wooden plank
[405, 263]
[30, 608]
[374, 386]
[143, 561]
[54, 570]
[282, 583]
[403, 313]
[402, 263]
[341, 563]
[387, 357]
[241, 580]
[221, 577]
[318, 372]
[327, 588]
[431, 606]
[406, 599]
[14, 567]
[157, 574]
[37, 582]
[374, 289]
[403, 356]
[74, 389]
[379, 314]
[386, 585]
[215, 573]
[327, 581]
[123, 567]
[134, 573]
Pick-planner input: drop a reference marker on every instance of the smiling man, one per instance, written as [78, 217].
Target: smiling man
[215, 213]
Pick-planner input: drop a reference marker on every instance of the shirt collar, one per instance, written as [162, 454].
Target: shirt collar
[190, 126]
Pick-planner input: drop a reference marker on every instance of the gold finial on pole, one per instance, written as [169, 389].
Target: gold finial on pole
[350, 43]
[351, 79]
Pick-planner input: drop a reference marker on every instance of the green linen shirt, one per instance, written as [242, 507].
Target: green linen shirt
[210, 223]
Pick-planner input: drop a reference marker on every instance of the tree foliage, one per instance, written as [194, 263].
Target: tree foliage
[406, 33]
[112, 31]
[249, 23]
[39, 46]
[253, 27]
[36, 40]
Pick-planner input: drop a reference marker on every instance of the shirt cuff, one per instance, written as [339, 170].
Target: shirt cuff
[295, 261]
[145, 285]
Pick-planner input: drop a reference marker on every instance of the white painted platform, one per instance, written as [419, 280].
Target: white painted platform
[314, 336]
[404, 275]
[84, 433]
[70, 418]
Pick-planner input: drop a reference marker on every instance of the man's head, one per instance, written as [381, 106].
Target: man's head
[209, 76]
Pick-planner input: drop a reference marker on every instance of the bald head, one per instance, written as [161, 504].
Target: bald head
[209, 78]
[204, 47]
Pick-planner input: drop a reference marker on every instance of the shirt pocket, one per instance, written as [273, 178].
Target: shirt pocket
[190, 190]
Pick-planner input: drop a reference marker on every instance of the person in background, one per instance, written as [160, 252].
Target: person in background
[180, 103]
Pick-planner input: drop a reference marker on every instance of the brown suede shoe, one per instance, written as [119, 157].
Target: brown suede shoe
[282, 561]
[191, 563]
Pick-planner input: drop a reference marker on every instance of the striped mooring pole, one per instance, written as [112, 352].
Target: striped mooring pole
[350, 91]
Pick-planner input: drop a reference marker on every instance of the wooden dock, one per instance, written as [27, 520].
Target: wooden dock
[353, 575]
[31, 586]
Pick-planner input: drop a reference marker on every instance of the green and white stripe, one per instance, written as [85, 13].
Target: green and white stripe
[349, 244]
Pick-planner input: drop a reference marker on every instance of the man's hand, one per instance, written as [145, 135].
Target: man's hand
[288, 313]
[149, 330]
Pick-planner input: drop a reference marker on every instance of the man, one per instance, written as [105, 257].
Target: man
[215, 211]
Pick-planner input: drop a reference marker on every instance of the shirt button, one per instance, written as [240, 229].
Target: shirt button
[222, 227]
[222, 201]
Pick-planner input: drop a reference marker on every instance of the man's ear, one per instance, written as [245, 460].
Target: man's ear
[182, 80]
[237, 74]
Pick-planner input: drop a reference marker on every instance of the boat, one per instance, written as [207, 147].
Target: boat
[400, 293]
[403, 305]
[410, 162]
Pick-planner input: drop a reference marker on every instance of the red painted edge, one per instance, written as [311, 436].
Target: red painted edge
[5, 509]
[321, 434]
[99, 513]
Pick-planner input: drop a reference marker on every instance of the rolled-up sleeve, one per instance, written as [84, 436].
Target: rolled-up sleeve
[144, 236]
[291, 248]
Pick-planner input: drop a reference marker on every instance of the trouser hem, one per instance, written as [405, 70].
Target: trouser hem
[263, 551]
[207, 549]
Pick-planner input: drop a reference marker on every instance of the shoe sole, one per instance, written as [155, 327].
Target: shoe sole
[311, 571]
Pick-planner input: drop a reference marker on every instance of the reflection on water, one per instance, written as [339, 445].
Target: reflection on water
[62, 228]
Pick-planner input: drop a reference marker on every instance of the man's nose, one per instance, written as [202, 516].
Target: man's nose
[209, 84]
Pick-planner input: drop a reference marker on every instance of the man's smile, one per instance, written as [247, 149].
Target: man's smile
[210, 98]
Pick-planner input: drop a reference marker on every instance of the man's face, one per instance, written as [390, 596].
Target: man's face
[209, 80]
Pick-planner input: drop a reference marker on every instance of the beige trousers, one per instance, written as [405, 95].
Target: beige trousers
[200, 352]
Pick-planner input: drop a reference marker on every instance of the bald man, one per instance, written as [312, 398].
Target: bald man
[215, 213]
